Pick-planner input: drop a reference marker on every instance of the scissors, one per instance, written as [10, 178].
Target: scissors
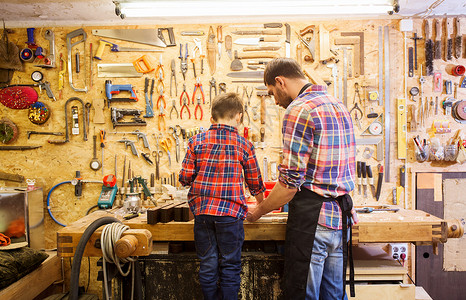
[166, 145]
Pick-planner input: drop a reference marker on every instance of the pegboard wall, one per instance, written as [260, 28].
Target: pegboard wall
[54, 163]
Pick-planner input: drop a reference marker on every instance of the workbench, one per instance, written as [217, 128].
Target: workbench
[403, 226]
[169, 274]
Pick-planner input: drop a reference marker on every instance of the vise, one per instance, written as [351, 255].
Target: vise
[115, 89]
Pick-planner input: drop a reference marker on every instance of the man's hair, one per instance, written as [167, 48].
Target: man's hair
[226, 106]
[285, 67]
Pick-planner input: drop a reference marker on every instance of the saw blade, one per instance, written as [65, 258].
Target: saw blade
[141, 36]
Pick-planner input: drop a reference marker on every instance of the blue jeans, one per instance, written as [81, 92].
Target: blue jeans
[218, 242]
[325, 278]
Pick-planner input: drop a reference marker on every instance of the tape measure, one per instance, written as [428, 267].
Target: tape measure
[374, 96]
[375, 128]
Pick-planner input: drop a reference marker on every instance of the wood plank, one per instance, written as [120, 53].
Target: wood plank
[384, 292]
[35, 282]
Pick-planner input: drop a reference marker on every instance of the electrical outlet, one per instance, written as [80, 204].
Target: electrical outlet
[398, 251]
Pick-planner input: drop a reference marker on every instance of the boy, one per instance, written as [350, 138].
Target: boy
[214, 165]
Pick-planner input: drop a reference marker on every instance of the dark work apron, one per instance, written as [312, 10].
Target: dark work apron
[303, 216]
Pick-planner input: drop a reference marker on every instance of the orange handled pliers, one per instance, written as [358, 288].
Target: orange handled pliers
[161, 98]
[184, 93]
[183, 107]
[198, 84]
[198, 106]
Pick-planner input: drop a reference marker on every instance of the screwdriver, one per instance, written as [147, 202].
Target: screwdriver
[102, 146]
[367, 210]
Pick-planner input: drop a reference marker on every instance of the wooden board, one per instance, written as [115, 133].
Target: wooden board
[376, 227]
[35, 282]
[384, 292]
[439, 284]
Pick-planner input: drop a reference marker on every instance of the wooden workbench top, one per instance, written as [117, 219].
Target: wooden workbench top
[407, 226]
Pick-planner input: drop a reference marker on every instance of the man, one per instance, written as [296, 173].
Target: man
[316, 175]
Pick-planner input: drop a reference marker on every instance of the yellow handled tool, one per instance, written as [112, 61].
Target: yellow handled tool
[100, 50]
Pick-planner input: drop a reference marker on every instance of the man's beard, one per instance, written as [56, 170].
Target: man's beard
[282, 98]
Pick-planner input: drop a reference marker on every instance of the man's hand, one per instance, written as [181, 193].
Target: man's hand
[354, 216]
[251, 217]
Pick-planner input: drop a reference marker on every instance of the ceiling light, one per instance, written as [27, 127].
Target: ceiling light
[184, 8]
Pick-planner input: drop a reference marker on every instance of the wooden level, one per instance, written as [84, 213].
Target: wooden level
[405, 226]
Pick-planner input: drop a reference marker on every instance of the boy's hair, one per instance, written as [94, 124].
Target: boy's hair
[285, 67]
[226, 106]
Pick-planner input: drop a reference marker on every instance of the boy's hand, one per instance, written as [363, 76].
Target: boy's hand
[354, 216]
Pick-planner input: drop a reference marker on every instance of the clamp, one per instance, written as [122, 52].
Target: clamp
[198, 106]
[161, 97]
[213, 85]
[173, 76]
[161, 121]
[198, 84]
[184, 61]
[184, 93]
[183, 107]
[174, 108]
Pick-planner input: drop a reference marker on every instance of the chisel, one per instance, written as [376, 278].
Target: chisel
[266, 25]
[371, 179]
[379, 182]
[256, 41]
[358, 170]
[257, 32]
[364, 178]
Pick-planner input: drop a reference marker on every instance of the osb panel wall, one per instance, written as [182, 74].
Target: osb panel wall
[52, 164]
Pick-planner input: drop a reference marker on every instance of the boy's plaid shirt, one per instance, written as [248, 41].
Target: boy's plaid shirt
[216, 165]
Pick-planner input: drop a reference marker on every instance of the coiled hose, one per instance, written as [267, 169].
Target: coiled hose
[78, 255]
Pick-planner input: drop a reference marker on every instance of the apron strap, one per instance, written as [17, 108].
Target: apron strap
[346, 204]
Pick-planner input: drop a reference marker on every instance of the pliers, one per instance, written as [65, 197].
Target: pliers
[174, 108]
[161, 97]
[198, 84]
[160, 84]
[173, 76]
[184, 93]
[198, 106]
[160, 68]
[184, 61]
[213, 85]
[183, 107]
[247, 103]
[161, 122]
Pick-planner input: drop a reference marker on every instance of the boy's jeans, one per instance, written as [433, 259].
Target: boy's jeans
[218, 242]
[325, 278]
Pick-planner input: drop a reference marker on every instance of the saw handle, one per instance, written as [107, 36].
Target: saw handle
[144, 64]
